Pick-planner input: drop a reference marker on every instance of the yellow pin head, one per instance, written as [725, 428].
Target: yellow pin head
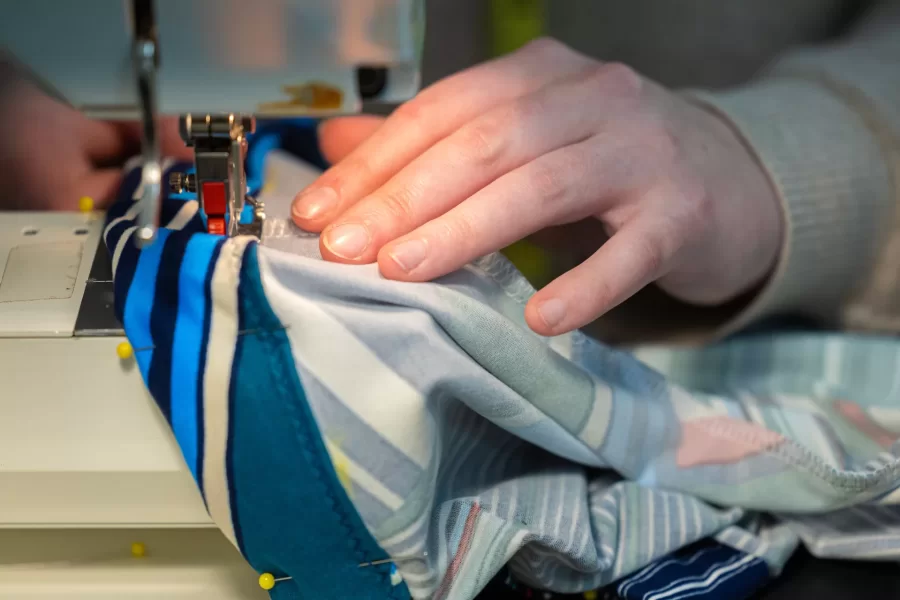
[85, 204]
[267, 581]
[590, 595]
[138, 550]
[124, 351]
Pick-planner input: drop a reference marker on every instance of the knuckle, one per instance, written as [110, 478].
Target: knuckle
[411, 113]
[662, 141]
[650, 252]
[483, 141]
[654, 138]
[548, 182]
[617, 78]
[457, 232]
[359, 168]
[397, 204]
[546, 45]
[623, 79]
[698, 206]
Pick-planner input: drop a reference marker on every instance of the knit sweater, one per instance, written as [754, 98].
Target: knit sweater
[813, 86]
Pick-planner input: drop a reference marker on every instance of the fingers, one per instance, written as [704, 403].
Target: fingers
[100, 184]
[468, 160]
[425, 120]
[635, 256]
[562, 186]
[107, 143]
[64, 192]
[340, 136]
[128, 144]
[110, 143]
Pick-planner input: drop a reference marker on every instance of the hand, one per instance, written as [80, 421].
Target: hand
[541, 138]
[51, 155]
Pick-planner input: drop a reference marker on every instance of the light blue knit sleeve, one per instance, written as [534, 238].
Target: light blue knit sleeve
[825, 123]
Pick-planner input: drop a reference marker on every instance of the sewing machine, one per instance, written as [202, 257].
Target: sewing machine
[85, 457]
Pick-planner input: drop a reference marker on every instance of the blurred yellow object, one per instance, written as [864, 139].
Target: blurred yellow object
[138, 550]
[533, 262]
[124, 351]
[267, 581]
[308, 97]
[515, 23]
[85, 204]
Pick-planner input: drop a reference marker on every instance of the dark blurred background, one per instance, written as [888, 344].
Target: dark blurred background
[692, 44]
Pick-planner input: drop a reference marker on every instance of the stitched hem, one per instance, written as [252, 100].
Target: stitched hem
[321, 467]
[789, 452]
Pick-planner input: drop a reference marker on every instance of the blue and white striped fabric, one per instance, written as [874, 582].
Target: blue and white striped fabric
[332, 417]
[709, 572]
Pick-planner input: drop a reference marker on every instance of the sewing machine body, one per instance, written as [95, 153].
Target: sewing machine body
[82, 445]
[219, 56]
[218, 64]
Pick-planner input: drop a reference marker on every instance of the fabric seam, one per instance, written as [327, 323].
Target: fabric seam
[304, 431]
[515, 286]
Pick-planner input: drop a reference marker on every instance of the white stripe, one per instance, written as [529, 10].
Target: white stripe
[120, 246]
[363, 478]
[576, 514]
[667, 520]
[594, 431]
[641, 575]
[184, 215]
[135, 209]
[861, 538]
[831, 359]
[682, 521]
[223, 330]
[557, 527]
[562, 345]
[165, 165]
[604, 513]
[715, 584]
[513, 501]
[707, 580]
[133, 162]
[545, 506]
[886, 417]
[620, 546]
[130, 215]
[350, 370]
[654, 568]
[402, 536]
[651, 525]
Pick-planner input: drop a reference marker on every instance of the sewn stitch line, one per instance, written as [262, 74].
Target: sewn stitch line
[515, 286]
[277, 341]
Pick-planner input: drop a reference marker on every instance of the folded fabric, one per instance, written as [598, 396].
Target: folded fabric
[708, 571]
[704, 571]
[332, 418]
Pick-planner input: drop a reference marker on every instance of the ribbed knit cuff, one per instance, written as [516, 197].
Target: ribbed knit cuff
[831, 175]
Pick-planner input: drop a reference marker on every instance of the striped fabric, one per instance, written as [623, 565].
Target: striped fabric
[708, 572]
[332, 417]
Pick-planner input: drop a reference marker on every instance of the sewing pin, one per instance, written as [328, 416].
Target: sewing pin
[125, 351]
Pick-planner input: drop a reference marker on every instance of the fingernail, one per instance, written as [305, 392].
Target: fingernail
[347, 241]
[552, 312]
[409, 255]
[315, 203]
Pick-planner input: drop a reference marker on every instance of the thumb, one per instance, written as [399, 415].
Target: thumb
[340, 136]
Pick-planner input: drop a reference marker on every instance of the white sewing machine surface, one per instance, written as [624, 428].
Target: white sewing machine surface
[83, 448]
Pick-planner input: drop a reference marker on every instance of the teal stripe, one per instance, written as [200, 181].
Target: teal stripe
[294, 516]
